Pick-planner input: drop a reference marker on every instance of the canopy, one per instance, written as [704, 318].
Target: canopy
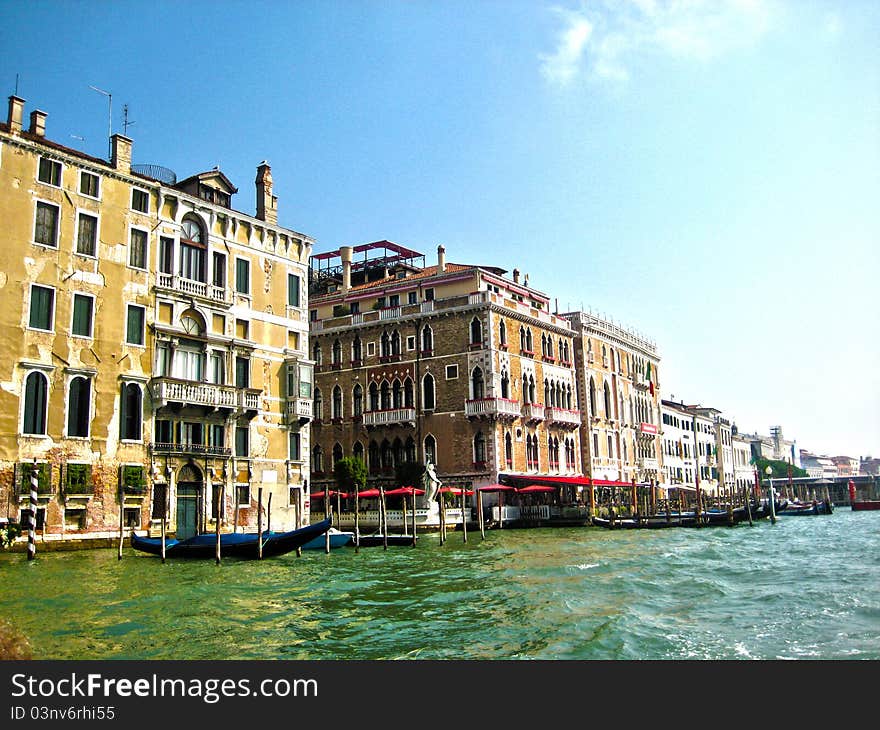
[408, 491]
[550, 479]
[497, 488]
[455, 490]
[533, 488]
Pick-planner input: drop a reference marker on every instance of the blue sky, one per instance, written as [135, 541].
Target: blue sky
[707, 173]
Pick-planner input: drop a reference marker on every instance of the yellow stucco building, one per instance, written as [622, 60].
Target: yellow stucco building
[154, 345]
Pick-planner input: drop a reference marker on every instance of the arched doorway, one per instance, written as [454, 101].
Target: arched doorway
[189, 501]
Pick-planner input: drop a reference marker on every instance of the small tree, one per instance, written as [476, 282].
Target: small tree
[780, 469]
[348, 472]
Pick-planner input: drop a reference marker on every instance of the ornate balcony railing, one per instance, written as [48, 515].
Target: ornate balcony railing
[562, 416]
[533, 412]
[201, 289]
[391, 416]
[499, 407]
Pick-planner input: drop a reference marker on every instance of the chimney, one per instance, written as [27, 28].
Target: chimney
[121, 153]
[16, 111]
[38, 123]
[441, 259]
[267, 204]
[345, 254]
[516, 276]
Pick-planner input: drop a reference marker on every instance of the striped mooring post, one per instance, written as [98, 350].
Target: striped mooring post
[32, 517]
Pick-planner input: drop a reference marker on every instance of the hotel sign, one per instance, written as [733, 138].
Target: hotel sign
[648, 428]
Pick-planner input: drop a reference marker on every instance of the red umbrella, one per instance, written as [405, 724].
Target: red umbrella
[331, 493]
[408, 491]
[370, 493]
[532, 488]
[497, 488]
[454, 490]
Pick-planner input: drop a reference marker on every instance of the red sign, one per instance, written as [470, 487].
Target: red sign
[648, 428]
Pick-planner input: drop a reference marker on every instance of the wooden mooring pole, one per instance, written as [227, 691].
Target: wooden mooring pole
[121, 519]
[260, 523]
[357, 521]
[217, 525]
[480, 513]
[383, 517]
[414, 516]
[463, 515]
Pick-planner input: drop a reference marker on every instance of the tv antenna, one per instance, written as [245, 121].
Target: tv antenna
[125, 123]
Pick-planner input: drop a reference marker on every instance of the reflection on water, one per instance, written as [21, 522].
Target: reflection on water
[807, 587]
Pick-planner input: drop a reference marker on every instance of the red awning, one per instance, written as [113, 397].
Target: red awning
[369, 493]
[549, 479]
[408, 491]
[533, 488]
[331, 493]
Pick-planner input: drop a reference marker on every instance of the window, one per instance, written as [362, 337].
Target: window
[79, 402]
[77, 479]
[193, 262]
[428, 401]
[36, 401]
[46, 224]
[305, 381]
[336, 403]
[430, 450]
[479, 448]
[412, 297]
[219, 278]
[137, 249]
[83, 311]
[140, 200]
[354, 308]
[42, 308]
[427, 339]
[241, 441]
[216, 369]
[166, 255]
[451, 372]
[429, 295]
[357, 401]
[410, 343]
[49, 172]
[477, 389]
[89, 184]
[292, 290]
[242, 276]
[242, 372]
[132, 415]
[243, 495]
[476, 332]
[134, 327]
[317, 460]
[394, 300]
[293, 442]
[86, 234]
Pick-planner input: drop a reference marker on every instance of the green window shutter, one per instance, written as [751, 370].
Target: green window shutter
[242, 276]
[42, 300]
[135, 331]
[82, 315]
[293, 290]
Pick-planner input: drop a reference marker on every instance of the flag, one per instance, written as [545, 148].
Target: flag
[648, 376]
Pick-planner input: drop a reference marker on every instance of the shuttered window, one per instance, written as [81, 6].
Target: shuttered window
[134, 331]
[42, 308]
[46, 225]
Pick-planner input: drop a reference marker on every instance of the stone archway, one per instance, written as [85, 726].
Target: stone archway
[190, 490]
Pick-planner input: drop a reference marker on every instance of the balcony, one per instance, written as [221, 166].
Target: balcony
[171, 390]
[390, 417]
[200, 449]
[533, 412]
[502, 408]
[562, 417]
[178, 285]
[298, 410]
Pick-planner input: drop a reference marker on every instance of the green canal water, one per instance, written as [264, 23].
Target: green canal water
[804, 588]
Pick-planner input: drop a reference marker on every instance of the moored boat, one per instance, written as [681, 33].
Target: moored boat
[866, 504]
[232, 544]
[338, 538]
[806, 508]
[376, 540]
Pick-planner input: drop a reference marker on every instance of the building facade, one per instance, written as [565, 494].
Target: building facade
[155, 344]
[690, 446]
[619, 392]
[454, 364]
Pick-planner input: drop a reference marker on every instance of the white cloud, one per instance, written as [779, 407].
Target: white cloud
[607, 37]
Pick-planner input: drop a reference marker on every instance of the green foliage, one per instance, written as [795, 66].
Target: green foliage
[780, 469]
[409, 474]
[350, 471]
[8, 533]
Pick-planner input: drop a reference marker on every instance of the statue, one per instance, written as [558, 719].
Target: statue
[431, 483]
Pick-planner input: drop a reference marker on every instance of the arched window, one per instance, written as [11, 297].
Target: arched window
[385, 345]
[569, 402]
[548, 400]
[408, 400]
[357, 451]
[476, 331]
[386, 455]
[409, 450]
[357, 400]
[544, 352]
[525, 389]
[337, 352]
[549, 347]
[337, 402]
[193, 250]
[317, 355]
[502, 333]
[79, 401]
[357, 348]
[592, 396]
[532, 388]
[36, 401]
[396, 394]
[477, 386]
[395, 343]
[385, 396]
[317, 460]
[132, 415]
[428, 402]
[522, 339]
[375, 462]
[479, 448]
[505, 384]
[529, 339]
[319, 404]
[508, 450]
[427, 339]
[430, 449]
[374, 397]
[397, 449]
[608, 411]
[337, 453]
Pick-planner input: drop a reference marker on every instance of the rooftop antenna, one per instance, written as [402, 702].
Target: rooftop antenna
[125, 123]
[16, 84]
[109, 121]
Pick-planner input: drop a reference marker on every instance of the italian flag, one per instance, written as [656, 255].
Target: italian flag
[650, 381]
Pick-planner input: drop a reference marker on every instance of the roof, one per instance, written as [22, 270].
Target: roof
[4, 127]
[425, 273]
[210, 175]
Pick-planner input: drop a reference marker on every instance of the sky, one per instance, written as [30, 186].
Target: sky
[704, 173]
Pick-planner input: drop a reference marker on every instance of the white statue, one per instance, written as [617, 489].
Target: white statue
[431, 483]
